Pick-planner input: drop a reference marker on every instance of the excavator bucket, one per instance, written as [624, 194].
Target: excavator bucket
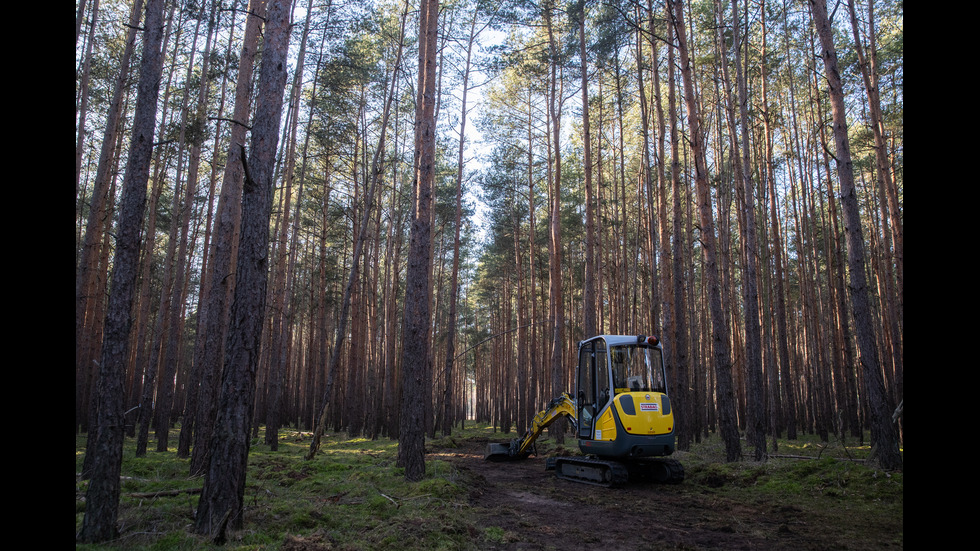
[498, 452]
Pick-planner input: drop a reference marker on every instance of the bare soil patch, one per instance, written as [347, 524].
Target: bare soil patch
[520, 505]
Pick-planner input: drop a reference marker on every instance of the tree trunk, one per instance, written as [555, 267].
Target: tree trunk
[884, 436]
[416, 353]
[280, 357]
[86, 288]
[454, 277]
[756, 423]
[222, 497]
[102, 497]
[589, 293]
[891, 215]
[209, 350]
[181, 228]
[556, 313]
[719, 335]
[192, 394]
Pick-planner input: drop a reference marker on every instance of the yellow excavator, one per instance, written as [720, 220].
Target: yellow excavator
[621, 416]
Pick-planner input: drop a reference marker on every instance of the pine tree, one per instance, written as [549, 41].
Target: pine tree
[222, 498]
[102, 497]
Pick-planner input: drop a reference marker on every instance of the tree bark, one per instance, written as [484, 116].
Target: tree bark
[224, 485]
[884, 436]
[86, 280]
[102, 497]
[784, 396]
[756, 423]
[191, 393]
[719, 334]
[179, 233]
[556, 312]
[891, 215]
[589, 293]
[416, 360]
[209, 350]
[280, 357]
[454, 277]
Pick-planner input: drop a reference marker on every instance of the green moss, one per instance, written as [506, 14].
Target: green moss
[494, 534]
[353, 496]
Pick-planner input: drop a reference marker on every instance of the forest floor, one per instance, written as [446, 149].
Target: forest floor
[523, 506]
[810, 495]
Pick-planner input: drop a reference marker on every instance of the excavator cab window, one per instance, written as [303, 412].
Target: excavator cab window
[637, 369]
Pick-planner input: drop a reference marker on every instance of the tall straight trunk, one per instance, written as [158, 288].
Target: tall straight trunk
[533, 359]
[324, 303]
[304, 384]
[656, 210]
[728, 424]
[557, 314]
[181, 225]
[884, 436]
[522, 344]
[392, 265]
[621, 231]
[280, 357]
[891, 215]
[86, 278]
[209, 350]
[672, 251]
[756, 423]
[416, 338]
[783, 390]
[589, 293]
[152, 356]
[102, 497]
[454, 277]
[81, 100]
[375, 322]
[192, 394]
[341, 333]
[222, 498]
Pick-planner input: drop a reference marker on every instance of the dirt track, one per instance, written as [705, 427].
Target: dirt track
[520, 505]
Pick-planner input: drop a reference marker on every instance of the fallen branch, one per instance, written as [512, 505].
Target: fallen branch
[783, 456]
[166, 493]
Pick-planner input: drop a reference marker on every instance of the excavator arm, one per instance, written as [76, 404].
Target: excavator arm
[521, 448]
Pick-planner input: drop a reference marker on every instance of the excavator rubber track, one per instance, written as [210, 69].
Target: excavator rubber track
[660, 469]
[612, 474]
[586, 470]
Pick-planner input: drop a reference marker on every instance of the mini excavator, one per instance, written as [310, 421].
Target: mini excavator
[621, 416]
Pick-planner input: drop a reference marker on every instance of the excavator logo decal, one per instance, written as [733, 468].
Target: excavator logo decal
[649, 407]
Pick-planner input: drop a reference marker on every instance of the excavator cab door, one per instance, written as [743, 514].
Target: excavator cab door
[591, 396]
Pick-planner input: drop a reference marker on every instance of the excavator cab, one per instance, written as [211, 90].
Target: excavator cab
[622, 402]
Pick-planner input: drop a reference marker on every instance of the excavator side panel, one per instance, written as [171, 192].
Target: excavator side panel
[627, 431]
[605, 426]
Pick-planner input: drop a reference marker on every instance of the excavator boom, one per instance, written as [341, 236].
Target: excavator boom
[521, 448]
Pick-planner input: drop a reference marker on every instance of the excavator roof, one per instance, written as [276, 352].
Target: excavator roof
[618, 340]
